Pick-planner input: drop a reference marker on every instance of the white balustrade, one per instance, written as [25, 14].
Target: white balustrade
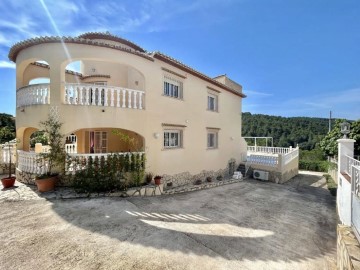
[269, 150]
[71, 148]
[271, 161]
[34, 94]
[31, 162]
[100, 95]
[287, 158]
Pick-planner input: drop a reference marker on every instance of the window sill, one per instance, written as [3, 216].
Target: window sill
[212, 148]
[172, 148]
[215, 111]
[175, 98]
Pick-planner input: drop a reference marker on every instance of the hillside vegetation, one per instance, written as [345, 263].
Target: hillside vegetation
[286, 131]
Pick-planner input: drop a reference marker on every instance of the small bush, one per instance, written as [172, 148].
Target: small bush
[332, 186]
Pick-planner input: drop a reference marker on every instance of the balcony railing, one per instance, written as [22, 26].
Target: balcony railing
[100, 95]
[33, 95]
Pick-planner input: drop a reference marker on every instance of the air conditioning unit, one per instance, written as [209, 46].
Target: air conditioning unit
[261, 175]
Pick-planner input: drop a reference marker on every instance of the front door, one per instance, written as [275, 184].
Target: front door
[98, 142]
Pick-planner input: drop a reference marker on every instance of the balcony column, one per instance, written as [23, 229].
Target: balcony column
[345, 148]
[57, 86]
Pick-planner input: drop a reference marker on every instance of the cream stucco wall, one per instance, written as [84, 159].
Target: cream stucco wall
[190, 112]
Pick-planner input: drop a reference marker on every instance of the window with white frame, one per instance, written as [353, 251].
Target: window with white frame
[212, 102]
[172, 87]
[172, 138]
[212, 139]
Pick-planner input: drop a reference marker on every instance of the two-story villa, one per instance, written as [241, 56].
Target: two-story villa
[185, 121]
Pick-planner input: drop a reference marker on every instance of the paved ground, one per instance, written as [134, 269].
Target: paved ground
[246, 225]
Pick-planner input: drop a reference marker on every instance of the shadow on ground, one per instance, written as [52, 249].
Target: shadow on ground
[250, 220]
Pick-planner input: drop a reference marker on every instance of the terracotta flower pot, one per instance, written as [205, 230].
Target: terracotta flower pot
[8, 181]
[46, 184]
[157, 181]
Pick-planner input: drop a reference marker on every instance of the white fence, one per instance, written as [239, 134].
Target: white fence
[349, 163]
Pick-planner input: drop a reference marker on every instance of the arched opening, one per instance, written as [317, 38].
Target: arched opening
[37, 72]
[39, 81]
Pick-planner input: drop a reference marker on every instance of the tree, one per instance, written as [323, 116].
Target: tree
[329, 144]
[7, 127]
[6, 134]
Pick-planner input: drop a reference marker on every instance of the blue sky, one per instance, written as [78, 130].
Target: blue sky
[293, 57]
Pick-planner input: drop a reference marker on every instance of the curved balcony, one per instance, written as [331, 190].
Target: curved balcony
[33, 95]
[82, 94]
[102, 95]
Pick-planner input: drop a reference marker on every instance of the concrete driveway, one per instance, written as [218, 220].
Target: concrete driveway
[247, 225]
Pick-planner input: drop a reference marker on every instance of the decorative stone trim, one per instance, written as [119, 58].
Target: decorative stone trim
[348, 249]
[172, 125]
[213, 89]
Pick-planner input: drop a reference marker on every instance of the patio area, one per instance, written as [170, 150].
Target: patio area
[244, 225]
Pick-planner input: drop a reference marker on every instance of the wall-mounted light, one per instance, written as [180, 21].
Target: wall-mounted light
[156, 135]
[103, 110]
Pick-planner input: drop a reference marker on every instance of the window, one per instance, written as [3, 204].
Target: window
[212, 102]
[212, 139]
[172, 138]
[172, 88]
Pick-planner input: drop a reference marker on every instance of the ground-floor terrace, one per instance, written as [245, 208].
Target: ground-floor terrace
[245, 225]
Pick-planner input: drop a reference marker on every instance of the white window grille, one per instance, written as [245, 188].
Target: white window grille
[212, 139]
[212, 102]
[173, 88]
[172, 138]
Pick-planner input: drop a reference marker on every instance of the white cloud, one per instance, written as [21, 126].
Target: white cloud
[6, 64]
[257, 93]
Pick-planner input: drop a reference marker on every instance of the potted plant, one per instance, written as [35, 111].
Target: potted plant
[157, 180]
[9, 181]
[148, 177]
[54, 158]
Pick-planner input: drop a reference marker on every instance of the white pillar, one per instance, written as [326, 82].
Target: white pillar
[345, 148]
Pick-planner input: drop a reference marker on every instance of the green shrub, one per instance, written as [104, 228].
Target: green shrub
[314, 165]
[116, 172]
[331, 185]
